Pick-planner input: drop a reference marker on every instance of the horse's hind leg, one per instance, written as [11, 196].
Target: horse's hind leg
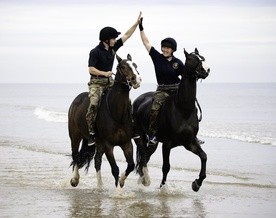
[75, 153]
[196, 149]
[98, 164]
[128, 152]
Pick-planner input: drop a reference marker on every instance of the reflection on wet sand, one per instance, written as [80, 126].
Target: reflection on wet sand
[96, 203]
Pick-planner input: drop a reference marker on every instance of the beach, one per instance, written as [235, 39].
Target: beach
[40, 187]
[35, 161]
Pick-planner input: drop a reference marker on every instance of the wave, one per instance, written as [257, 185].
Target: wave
[50, 116]
[245, 132]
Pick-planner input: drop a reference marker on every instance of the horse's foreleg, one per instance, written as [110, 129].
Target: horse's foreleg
[98, 164]
[196, 149]
[128, 152]
[114, 168]
[202, 175]
[76, 176]
[166, 150]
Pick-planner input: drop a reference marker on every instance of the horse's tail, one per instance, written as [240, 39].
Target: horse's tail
[85, 156]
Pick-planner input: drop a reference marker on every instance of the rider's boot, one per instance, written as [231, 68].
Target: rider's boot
[153, 128]
[90, 117]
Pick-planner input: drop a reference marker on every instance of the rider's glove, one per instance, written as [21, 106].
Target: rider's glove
[141, 24]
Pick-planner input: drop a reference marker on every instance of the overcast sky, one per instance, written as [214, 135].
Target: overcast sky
[50, 41]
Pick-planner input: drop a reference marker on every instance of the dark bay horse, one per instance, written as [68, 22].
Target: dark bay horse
[177, 121]
[113, 125]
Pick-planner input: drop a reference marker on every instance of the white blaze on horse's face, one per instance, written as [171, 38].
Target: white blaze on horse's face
[204, 65]
[136, 79]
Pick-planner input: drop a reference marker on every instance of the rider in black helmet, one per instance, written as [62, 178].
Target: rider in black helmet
[100, 65]
[168, 68]
[108, 33]
[169, 43]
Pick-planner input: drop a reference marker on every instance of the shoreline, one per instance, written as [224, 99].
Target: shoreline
[37, 184]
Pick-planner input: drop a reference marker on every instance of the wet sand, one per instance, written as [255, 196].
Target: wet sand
[240, 183]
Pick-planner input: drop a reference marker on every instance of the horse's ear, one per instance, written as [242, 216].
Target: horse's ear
[196, 51]
[129, 57]
[118, 58]
[186, 53]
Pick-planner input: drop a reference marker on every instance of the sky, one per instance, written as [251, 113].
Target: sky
[49, 41]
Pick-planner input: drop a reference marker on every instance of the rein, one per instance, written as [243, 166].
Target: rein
[201, 58]
[200, 117]
[127, 83]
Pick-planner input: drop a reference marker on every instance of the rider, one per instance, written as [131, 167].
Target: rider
[100, 65]
[168, 68]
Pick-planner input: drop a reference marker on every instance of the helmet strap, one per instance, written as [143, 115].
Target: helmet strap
[106, 44]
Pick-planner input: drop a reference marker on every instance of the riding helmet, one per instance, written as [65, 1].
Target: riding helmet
[107, 33]
[169, 42]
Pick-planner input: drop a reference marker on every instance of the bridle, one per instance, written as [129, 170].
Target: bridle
[127, 82]
[198, 67]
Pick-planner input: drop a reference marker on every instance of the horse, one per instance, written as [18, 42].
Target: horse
[177, 122]
[114, 125]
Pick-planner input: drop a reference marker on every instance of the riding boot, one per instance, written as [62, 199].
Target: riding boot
[153, 127]
[90, 118]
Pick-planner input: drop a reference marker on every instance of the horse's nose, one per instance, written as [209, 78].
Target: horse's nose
[208, 70]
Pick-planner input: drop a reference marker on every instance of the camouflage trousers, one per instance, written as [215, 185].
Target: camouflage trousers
[96, 88]
[162, 92]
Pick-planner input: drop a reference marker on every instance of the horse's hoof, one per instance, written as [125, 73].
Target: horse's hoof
[195, 186]
[145, 182]
[162, 185]
[74, 182]
[122, 183]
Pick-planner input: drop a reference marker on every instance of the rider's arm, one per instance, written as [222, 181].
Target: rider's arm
[144, 38]
[129, 33]
[94, 71]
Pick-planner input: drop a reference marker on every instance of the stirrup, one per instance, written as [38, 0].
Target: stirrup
[153, 140]
[91, 139]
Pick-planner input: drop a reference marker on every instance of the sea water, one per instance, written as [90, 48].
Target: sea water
[238, 126]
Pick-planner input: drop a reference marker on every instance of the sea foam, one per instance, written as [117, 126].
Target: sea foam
[50, 116]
